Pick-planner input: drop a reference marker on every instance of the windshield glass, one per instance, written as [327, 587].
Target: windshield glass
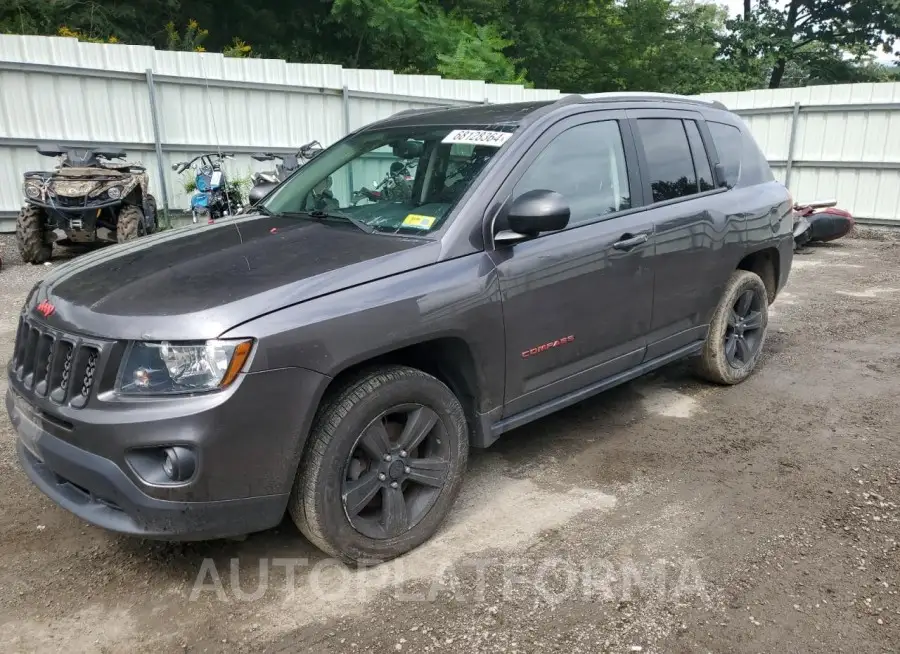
[393, 180]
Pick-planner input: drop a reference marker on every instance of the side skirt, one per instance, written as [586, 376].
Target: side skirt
[491, 434]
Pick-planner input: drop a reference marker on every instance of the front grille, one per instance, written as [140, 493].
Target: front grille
[54, 364]
[63, 201]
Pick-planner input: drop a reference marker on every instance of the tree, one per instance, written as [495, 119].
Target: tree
[479, 55]
[418, 37]
[772, 37]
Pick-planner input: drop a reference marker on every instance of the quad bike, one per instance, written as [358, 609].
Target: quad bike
[212, 199]
[263, 182]
[87, 198]
[820, 222]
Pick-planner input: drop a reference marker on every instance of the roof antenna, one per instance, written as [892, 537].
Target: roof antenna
[212, 115]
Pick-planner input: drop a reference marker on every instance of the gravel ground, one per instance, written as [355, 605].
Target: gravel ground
[666, 515]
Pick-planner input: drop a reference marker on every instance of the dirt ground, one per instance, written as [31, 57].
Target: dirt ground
[666, 515]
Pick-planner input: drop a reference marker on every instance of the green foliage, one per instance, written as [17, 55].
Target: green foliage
[75, 34]
[685, 46]
[479, 55]
[238, 49]
[191, 40]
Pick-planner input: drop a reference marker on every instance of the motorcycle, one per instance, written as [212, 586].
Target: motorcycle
[212, 199]
[820, 222]
[396, 185]
[265, 181]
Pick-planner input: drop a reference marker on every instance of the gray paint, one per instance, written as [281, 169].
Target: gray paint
[321, 299]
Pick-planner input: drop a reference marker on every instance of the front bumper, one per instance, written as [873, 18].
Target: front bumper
[248, 442]
[98, 492]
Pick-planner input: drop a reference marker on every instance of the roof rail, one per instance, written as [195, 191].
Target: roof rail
[649, 95]
[419, 110]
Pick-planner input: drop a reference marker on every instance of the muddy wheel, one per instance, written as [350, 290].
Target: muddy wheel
[130, 223]
[737, 331]
[30, 233]
[154, 224]
[383, 465]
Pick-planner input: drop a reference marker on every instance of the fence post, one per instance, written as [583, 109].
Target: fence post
[795, 115]
[160, 168]
[345, 98]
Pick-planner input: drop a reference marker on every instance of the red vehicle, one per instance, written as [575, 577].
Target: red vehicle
[820, 221]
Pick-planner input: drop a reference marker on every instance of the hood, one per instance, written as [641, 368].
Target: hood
[196, 283]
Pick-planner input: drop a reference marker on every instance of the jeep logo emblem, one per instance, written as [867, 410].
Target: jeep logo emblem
[45, 309]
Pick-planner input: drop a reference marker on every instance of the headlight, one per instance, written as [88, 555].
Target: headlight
[32, 191]
[169, 368]
[114, 193]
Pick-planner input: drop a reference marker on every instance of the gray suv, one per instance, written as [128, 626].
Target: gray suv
[423, 286]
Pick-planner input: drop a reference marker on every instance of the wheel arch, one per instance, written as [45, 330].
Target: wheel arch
[765, 263]
[447, 358]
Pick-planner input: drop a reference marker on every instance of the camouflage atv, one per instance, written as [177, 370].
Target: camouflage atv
[88, 198]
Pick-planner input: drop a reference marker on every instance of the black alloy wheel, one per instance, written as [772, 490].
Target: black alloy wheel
[395, 472]
[743, 333]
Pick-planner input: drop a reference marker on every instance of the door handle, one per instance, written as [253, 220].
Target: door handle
[629, 241]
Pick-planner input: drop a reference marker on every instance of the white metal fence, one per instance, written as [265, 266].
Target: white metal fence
[161, 107]
[840, 142]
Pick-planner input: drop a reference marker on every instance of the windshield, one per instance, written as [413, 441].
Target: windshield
[393, 180]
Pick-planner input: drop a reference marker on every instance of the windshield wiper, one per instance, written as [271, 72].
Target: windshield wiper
[264, 210]
[320, 215]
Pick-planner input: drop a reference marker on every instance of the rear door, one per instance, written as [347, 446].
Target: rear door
[577, 302]
[694, 233]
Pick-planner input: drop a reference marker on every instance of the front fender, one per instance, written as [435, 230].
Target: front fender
[458, 299]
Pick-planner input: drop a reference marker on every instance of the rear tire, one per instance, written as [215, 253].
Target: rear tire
[737, 332]
[30, 235]
[128, 226]
[337, 457]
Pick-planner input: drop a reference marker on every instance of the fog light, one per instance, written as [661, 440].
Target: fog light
[179, 463]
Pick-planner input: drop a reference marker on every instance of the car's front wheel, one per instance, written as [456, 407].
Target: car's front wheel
[383, 465]
[737, 331]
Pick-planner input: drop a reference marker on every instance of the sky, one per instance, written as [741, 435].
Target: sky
[735, 7]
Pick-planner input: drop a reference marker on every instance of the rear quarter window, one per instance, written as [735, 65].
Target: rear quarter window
[729, 146]
[739, 155]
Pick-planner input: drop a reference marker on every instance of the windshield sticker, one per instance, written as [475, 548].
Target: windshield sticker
[477, 137]
[418, 222]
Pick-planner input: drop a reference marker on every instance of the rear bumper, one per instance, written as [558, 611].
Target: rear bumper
[785, 259]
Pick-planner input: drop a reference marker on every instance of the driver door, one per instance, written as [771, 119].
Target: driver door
[577, 302]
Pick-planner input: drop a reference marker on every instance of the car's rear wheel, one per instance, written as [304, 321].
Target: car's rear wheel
[383, 465]
[30, 235]
[737, 331]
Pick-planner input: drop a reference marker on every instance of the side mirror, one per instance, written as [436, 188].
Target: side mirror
[534, 212]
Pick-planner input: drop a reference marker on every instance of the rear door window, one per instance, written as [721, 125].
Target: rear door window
[671, 166]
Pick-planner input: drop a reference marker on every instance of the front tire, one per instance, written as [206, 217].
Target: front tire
[737, 331]
[130, 223]
[383, 465]
[30, 233]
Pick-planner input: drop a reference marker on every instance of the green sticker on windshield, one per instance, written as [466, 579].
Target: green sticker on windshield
[418, 222]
